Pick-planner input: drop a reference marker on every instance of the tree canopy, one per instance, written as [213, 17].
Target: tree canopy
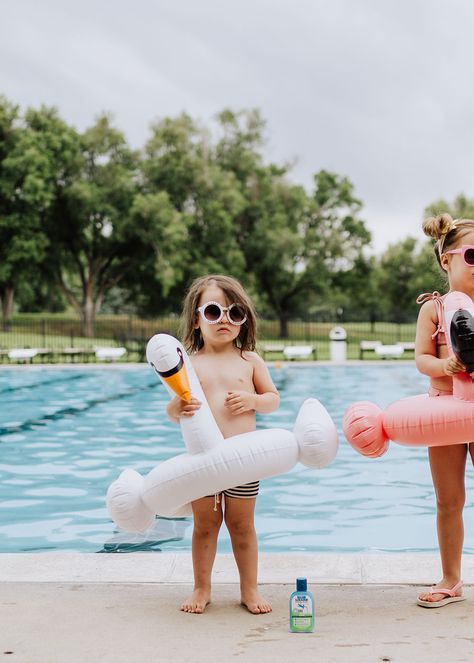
[84, 216]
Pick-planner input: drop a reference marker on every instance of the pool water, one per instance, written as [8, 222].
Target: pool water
[66, 434]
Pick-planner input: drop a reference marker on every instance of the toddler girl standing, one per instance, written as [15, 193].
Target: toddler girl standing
[220, 336]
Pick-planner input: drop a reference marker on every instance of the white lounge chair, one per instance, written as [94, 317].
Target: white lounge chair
[109, 354]
[370, 346]
[22, 354]
[407, 345]
[298, 352]
[389, 351]
[272, 348]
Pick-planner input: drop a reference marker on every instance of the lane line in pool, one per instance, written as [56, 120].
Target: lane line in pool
[42, 384]
[31, 424]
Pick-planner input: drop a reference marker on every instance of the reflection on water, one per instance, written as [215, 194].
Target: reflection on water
[67, 434]
[163, 531]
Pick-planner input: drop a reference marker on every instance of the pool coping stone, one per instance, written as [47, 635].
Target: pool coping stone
[274, 568]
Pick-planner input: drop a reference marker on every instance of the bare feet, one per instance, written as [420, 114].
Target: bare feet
[197, 602]
[255, 603]
[444, 583]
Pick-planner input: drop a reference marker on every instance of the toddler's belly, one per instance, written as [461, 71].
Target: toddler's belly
[229, 424]
[235, 424]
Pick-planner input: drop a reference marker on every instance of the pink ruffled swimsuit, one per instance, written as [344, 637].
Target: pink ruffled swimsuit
[439, 334]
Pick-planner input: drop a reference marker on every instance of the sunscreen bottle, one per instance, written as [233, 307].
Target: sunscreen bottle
[301, 608]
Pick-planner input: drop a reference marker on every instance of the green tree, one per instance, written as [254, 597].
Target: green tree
[299, 243]
[428, 274]
[294, 243]
[34, 152]
[461, 207]
[89, 223]
[406, 269]
[239, 148]
[179, 160]
[9, 221]
[275, 246]
[354, 291]
[173, 157]
[107, 229]
[396, 279]
[159, 247]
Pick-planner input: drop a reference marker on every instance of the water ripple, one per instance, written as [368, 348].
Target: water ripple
[66, 437]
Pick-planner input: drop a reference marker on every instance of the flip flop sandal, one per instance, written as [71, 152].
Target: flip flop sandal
[450, 594]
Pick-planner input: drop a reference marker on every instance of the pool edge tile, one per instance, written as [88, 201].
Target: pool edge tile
[409, 568]
[85, 567]
[274, 568]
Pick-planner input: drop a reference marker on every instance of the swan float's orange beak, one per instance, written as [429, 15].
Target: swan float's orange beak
[177, 379]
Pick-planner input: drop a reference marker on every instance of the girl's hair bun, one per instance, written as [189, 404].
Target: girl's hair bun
[437, 226]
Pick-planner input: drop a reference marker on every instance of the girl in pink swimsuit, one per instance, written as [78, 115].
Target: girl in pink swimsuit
[454, 251]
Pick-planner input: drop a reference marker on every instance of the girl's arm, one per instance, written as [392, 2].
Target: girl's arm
[266, 397]
[425, 347]
[177, 408]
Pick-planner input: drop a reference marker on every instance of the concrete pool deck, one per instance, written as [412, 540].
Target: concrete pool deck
[72, 607]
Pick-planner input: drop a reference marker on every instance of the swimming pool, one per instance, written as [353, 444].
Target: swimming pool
[66, 433]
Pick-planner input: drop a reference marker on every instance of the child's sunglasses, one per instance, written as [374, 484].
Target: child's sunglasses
[213, 312]
[467, 252]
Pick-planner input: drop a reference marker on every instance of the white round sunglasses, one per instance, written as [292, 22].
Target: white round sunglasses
[213, 312]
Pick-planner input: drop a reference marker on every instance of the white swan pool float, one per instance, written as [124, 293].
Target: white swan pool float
[211, 463]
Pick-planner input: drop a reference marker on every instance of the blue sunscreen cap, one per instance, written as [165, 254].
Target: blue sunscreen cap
[301, 585]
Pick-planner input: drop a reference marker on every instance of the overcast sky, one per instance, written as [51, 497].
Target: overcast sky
[381, 91]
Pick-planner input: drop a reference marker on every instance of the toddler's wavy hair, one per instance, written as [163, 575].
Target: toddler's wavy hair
[447, 231]
[235, 294]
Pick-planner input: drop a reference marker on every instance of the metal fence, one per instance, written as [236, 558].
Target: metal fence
[57, 337]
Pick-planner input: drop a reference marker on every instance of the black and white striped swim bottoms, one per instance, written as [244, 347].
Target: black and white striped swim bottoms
[245, 492]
